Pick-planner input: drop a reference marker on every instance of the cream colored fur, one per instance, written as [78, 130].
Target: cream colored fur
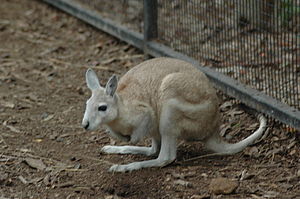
[165, 99]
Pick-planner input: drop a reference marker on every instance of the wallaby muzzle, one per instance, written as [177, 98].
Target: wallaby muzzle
[85, 125]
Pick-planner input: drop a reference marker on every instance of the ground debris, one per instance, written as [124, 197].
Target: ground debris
[46, 117]
[183, 183]
[270, 194]
[245, 175]
[226, 106]
[183, 175]
[23, 180]
[203, 196]
[3, 177]
[235, 112]
[252, 151]
[112, 197]
[35, 163]
[12, 128]
[64, 185]
[224, 129]
[7, 104]
[222, 186]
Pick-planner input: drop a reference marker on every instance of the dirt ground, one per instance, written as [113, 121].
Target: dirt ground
[44, 152]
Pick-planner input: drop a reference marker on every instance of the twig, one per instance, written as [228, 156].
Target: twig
[76, 170]
[7, 156]
[26, 155]
[102, 68]
[132, 57]
[7, 64]
[290, 178]
[126, 57]
[60, 61]
[2, 140]
[13, 129]
[67, 64]
[22, 79]
[97, 160]
[23, 180]
[4, 50]
[64, 185]
[267, 165]
[5, 22]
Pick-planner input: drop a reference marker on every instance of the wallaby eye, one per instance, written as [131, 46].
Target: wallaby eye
[102, 108]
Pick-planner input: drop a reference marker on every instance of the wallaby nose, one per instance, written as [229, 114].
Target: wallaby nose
[86, 125]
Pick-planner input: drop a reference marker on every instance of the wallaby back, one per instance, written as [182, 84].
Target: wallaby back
[154, 80]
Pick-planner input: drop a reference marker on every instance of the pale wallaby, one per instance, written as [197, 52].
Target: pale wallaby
[165, 99]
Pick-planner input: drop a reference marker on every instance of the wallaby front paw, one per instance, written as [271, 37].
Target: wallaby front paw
[109, 149]
[116, 168]
[124, 168]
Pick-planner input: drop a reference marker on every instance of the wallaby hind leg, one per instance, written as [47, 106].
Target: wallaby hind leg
[133, 149]
[167, 154]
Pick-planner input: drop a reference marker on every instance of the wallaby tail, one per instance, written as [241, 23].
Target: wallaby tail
[216, 144]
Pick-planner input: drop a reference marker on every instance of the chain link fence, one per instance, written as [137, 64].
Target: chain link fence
[256, 42]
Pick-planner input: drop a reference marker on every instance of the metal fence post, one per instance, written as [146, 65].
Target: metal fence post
[150, 21]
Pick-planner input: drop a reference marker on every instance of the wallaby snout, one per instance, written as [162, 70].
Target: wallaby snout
[85, 125]
[85, 122]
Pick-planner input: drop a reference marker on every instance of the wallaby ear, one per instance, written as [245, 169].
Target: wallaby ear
[111, 85]
[92, 79]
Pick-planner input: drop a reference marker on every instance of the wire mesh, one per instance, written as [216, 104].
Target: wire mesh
[254, 41]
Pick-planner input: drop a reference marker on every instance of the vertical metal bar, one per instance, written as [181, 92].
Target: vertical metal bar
[150, 19]
[185, 13]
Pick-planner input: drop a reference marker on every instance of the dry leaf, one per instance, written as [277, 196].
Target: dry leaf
[183, 183]
[49, 117]
[35, 163]
[226, 105]
[252, 126]
[38, 140]
[64, 185]
[222, 186]
[245, 175]
[223, 130]
[23, 180]
[234, 112]
[13, 129]
[251, 151]
[8, 104]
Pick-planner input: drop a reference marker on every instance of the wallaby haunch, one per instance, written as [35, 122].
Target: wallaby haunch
[165, 99]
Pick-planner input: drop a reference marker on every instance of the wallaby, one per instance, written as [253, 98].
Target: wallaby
[165, 99]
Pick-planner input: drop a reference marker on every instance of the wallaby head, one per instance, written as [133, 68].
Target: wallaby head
[102, 106]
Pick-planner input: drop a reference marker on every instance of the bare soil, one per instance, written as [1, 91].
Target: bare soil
[44, 152]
